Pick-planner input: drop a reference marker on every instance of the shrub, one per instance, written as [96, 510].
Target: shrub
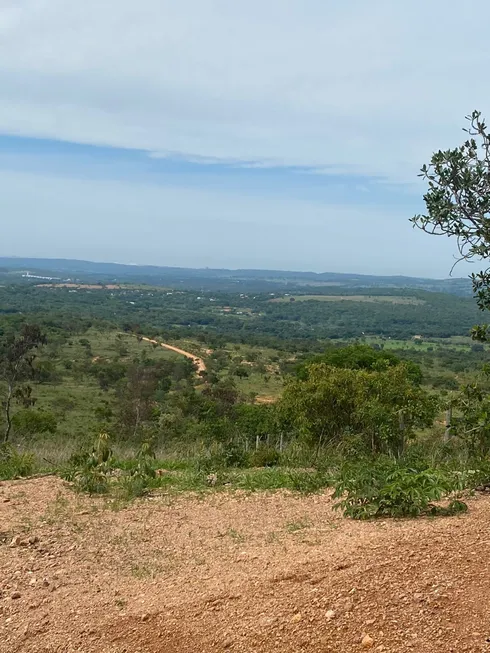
[90, 469]
[33, 422]
[265, 457]
[384, 489]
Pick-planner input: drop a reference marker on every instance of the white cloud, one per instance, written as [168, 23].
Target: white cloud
[374, 85]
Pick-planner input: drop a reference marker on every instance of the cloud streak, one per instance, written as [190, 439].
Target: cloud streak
[375, 86]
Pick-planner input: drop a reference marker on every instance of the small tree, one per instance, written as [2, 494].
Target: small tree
[17, 354]
[382, 407]
[458, 203]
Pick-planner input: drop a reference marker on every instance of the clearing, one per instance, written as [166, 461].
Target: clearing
[234, 572]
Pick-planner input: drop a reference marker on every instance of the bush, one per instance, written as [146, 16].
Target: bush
[265, 457]
[384, 489]
[33, 422]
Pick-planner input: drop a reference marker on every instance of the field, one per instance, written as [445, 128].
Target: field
[237, 572]
[393, 299]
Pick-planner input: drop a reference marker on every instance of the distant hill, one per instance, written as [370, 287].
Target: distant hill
[216, 279]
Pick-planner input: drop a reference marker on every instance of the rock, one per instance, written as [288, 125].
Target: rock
[367, 641]
[296, 618]
[145, 617]
[330, 614]
[6, 500]
[16, 541]
[15, 595]
[33, 539]
[45, 582]
[212, 479]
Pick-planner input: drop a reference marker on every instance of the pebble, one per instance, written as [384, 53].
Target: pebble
[367, 641]
[330, 615]
[16, 541]
[16, 595]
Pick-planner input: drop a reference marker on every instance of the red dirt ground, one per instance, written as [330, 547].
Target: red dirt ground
[235, 572]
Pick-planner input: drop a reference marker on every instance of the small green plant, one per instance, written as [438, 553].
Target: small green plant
[309, 482]
[90, 470]
[384, 489]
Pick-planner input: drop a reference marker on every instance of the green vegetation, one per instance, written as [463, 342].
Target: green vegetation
[347, 389]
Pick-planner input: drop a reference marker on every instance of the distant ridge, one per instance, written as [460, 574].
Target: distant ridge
[197, 277]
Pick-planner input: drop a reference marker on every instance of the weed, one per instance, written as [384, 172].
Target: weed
[235, 535]
[295, 526]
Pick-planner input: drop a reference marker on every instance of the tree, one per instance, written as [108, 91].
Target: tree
[17, 354]
[458, 203]
[360, 357]
[382, 407]
[136, 398]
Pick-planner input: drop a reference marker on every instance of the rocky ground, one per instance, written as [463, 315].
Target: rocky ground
[235, 573]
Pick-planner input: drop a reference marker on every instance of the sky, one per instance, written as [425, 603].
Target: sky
[280, 134]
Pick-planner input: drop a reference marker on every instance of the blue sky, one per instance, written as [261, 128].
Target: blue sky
[276, 134]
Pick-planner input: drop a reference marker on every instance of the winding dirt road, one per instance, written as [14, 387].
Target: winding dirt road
[199, 362]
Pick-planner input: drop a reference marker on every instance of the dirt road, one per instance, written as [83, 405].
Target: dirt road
[236, 573]
[201, 365]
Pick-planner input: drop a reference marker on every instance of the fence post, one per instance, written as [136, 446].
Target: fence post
[449, 418]
[401, 426]
[281, 442]
[257, 442]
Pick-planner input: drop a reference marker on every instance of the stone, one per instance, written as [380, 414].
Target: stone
[15, 595]
[16, 541]
[367, 642]
[330, 614]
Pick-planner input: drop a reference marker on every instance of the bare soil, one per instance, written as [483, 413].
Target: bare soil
[201, 365]
[235, 572]
[81, 286]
